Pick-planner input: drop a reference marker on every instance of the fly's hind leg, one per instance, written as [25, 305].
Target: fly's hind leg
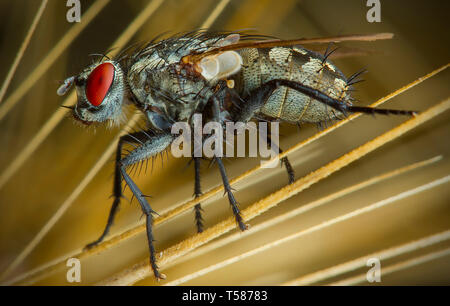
[332, 102]
[252, 106]
[117, 188]
[259, 96]
[285, 161]
[290, 171]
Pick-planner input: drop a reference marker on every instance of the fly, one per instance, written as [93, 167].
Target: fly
[222, 76]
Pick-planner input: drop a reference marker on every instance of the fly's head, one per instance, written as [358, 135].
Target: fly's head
[100, 91]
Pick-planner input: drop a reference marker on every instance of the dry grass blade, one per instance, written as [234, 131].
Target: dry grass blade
[40, 272]
[22, 49]
[310, 230]
[60, 113]
[51, 57]
[344, 52]
[120, 42]
[215, 14]
[34, 143]
[50, 125]
[66, 204]
[361, 262]
[396, 267]
[142, 270]
[305, 208]
[266, 224]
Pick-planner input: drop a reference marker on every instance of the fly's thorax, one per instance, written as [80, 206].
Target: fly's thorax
[295, 64]
[160, 82]
[168, 89]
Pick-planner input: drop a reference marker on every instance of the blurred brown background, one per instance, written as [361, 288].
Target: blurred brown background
[33, 194]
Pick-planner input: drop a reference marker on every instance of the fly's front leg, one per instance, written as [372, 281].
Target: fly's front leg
[152, 146]
[198, 192]
[117, 188]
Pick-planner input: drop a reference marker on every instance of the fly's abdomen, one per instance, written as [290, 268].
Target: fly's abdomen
[299, 65]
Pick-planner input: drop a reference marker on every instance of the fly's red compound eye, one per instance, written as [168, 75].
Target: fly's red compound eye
[99, 82]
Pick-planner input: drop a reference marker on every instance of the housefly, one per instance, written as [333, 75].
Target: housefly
[224, 76]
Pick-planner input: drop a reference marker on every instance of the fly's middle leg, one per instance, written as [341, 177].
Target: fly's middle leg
[231, 199]
[198, 192]
[223, 173]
